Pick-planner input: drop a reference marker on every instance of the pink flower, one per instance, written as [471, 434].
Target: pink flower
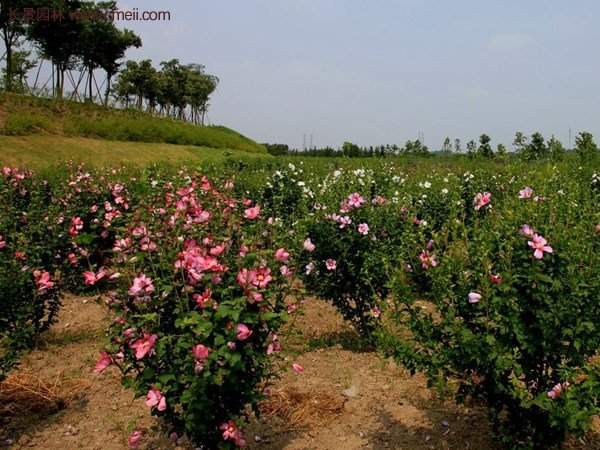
[103, 362]
[76, 226]
[202, 299]
[154, 398]
[297, 368]
[144, 345]
[331, 264]
[274, 346]
[310, 247]
[525, 193]
[232, 433]
[376, 312]
[526, 230]
[243, 332]
[282, 255]
[134, 439]
[285, 271]
[539, 244]
[427, 260]
[344, 221]
[481, 199]
[141, 285]
[245, 277]
[355, 200]
[200, 352]
[363, 229]
[2, 242]
[474, 297]
[72, 259]
[42, 280]
[262, 277]
[252, 213]
[243, 250]
[92, 278]
[557, 390]
[495, 278]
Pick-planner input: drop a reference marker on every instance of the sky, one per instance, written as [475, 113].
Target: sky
[383, 71]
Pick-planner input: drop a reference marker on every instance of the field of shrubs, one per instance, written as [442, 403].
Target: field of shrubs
[482, 275]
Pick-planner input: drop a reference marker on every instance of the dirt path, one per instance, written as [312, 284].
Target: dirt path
[346, 397]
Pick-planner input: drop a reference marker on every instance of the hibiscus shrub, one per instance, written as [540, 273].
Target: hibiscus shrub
[347, 257]
[201, 299]
[29, 297]
[511, 316]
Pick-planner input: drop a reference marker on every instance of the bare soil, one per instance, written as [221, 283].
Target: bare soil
[348, 397]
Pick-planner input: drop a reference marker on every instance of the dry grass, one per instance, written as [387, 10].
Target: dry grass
[24, 391]
[301, 409]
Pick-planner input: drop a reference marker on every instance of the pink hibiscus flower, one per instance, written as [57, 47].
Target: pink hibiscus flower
[243, 332]
[482, 199]
[103, 362]
[525, 193]
[474, 297]
[142, 285]
[539, 244]
[42, 280]
[309, 246]
[133, 441]
[154, 398]
[363, 229]
[144, 346]
[282, 255]
[428, 260]
[232, 433]
[252, 213]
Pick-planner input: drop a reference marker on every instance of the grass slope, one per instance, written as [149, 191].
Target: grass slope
[26, 115]
[40, 151]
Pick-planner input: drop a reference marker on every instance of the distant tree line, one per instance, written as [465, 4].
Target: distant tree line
[350, 150]
[527, 148]
[79, 35]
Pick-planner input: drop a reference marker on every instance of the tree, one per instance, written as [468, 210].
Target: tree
[58, 40]
[556, 149]
[471, 148]
[447, 146]
[585, 146]
[415, 148]
[457, 146]
[19, 65]
[537, 147]
[351, 150]
[520, 142]
[12, 30]
[485, 149]
[501, 151]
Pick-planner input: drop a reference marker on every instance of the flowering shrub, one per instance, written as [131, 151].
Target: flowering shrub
[29, 298]
[200, 301]
[510, 316]
[347, 256]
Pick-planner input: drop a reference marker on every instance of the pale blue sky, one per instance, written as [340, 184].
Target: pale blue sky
[381, 71]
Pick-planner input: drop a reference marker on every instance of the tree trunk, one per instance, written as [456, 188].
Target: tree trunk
[9, 53]
[90, 79]
[107, 93]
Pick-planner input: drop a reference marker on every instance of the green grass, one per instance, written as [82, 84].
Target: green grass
[26, 115]
[41, 151]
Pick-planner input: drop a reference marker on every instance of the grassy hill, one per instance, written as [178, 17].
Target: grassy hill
[37, 131]
[39, 151]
